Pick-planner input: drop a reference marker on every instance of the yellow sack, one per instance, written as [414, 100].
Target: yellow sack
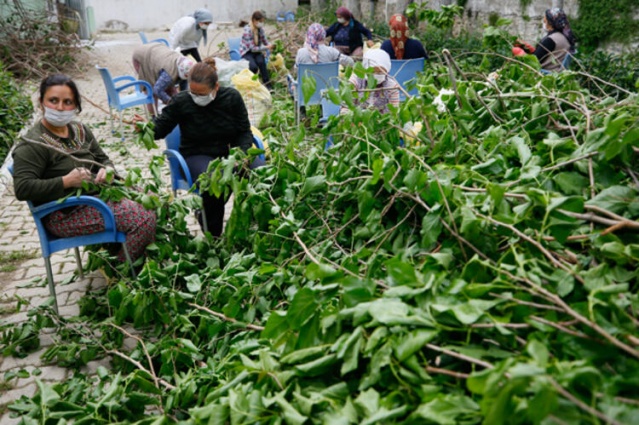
[277, 64]
[256, 97]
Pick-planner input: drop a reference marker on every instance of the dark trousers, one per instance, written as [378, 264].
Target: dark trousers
[184, 84]
[213, 206]
[257, 62]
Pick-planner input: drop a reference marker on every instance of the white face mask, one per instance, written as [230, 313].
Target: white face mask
[259, 25]
[204, 26]
[341, 20]
[379, 77]
[203, 100]
[58, 118]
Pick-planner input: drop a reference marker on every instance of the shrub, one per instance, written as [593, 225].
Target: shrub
[15, 109]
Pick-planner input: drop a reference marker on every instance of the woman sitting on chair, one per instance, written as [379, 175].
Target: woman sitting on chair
[399, 46]
[57, 155]
[212, 120]
[254, 47]
[386, 91]
[347, 33]
[315, 51]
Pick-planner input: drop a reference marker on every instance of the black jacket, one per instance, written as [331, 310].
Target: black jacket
[207, 130]
[354, 34]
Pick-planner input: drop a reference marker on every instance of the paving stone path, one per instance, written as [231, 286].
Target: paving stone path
[22, 272]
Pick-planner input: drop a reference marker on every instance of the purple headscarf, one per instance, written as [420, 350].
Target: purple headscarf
[314, 37]
[559, 21]
[342, 11]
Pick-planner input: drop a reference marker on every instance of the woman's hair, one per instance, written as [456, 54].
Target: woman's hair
[61, 80]
[205, 72]
[257, 16]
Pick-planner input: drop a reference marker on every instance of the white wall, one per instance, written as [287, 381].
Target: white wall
[159, 14]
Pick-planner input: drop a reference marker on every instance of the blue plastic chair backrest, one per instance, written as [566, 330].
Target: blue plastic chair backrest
[173, 139]
[112, 93]
[329, 109]
[234, 48]
[143, 37]
[325, 74]
[404, 71]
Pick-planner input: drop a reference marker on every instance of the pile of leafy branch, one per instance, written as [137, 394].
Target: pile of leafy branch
[33, 43]
[486, 272]
[14, 107]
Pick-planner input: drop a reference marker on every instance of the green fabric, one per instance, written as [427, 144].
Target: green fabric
[38, 170]
[207, 130]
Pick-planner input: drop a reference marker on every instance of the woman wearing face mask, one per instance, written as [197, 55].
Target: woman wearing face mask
[212, 120]
[559, 42]
[162, 68]
[347, 33]
[188, 31]
[57, 155]
[386, 91]
[254, 47]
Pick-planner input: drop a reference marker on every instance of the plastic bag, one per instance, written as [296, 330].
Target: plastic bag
[227, 69]
[256, 97]
[277, 64]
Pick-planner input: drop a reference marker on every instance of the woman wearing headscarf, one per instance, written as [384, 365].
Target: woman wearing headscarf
[315, 51]
[188, 31]
[162, 68]
[347, 33]
[254, 46]
[399, 46]
[559, 42]
[386, 90]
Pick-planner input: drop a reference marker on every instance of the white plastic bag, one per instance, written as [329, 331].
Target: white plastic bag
[227, 69]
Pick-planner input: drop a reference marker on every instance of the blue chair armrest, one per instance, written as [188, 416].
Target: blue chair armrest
[170, 153]
[160, 40]
[43, 210]
[136, 84]
[234, 54]
[123, 78]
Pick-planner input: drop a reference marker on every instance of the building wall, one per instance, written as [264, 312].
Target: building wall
[159, 14]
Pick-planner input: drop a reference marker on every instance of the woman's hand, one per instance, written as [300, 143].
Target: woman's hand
[105, 175]
[136, 119]
[370, 43]
[76, 177]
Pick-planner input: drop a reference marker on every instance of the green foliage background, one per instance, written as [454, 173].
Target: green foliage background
[601, 21]
[15, 110]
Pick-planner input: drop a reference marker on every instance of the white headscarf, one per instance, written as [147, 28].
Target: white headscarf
[376, 57]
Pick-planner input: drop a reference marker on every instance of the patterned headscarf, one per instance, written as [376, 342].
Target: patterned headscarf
[314, 37]
[376, 57]
[184, 65]
[559, 21]
[202, 15]
[344, 12]
[398, 34]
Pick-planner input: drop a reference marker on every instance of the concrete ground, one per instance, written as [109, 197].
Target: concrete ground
[22, 272]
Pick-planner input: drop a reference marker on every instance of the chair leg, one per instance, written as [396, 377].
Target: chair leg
[111, 119]
[121, 132]
[204, 223]
[128, 259]
[47, 266]
[78, 262]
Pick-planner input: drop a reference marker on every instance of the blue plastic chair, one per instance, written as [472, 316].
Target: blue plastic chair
[234, 48]
[285, 17]
[50, 244]
[329, 109]
[142, 94]
[157, 40]
[405, 70]
[325, 75]
[181, 178]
